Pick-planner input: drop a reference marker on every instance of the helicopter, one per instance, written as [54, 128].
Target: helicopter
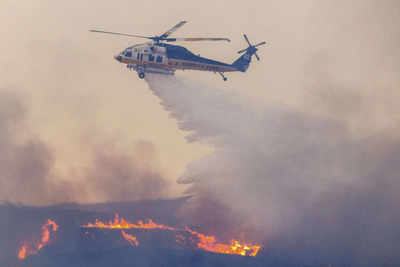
[156, 56]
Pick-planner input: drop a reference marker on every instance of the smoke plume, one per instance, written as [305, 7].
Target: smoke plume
[28, 173]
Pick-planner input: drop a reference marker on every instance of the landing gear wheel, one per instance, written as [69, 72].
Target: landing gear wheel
[141, 75]
[223, 76]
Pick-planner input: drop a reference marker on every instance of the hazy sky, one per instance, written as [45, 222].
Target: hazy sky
[76, 93]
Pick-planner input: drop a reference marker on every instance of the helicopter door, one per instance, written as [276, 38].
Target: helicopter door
[139, 56]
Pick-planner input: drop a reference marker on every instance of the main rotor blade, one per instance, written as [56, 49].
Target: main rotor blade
[247, 39]
[241, 51]
[262, 43]
[195, 39]
[123, 34]
[258, 58]
[173, 29]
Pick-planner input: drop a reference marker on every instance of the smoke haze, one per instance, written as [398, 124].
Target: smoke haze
[28, 173]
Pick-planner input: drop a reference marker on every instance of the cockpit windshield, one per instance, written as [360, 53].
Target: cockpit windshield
[127, 53]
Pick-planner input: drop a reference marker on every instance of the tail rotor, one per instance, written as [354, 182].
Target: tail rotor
[251, 49]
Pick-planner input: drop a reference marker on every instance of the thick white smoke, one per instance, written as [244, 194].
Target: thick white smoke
[303, 182]
[28, 174]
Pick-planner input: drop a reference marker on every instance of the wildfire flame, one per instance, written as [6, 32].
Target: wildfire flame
[26, 250]
[205, 242]
[22, 252]
[130, 238]
[121, 223]
[209, 243]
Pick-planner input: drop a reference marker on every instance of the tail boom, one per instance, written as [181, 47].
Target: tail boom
[243, 62]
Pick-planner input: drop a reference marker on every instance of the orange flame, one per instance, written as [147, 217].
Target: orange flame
[130, 238]
[121, 223]
[205, 242]
[22, 252]
[25, 250]
[209, 243]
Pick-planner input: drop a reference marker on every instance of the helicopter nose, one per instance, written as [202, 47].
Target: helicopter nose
[118, 58]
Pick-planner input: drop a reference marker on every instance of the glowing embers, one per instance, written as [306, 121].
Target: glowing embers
[29, 249]
[200, 240]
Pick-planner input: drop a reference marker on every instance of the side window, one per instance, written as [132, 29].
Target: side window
[159, 59]
[151, 57]
[137, 56]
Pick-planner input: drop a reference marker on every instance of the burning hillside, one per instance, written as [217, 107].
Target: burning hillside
[206, 242]
[201, 241]
[30, 249]
[71, 233]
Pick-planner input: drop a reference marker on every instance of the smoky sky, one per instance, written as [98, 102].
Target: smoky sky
[29, 176]
[24, 167]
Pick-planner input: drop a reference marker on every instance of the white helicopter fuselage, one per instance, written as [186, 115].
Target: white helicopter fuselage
[165, 59]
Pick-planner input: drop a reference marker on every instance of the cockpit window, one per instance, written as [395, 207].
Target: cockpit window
[128, 53]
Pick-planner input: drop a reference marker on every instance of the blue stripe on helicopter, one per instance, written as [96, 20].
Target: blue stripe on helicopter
[181, 53]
